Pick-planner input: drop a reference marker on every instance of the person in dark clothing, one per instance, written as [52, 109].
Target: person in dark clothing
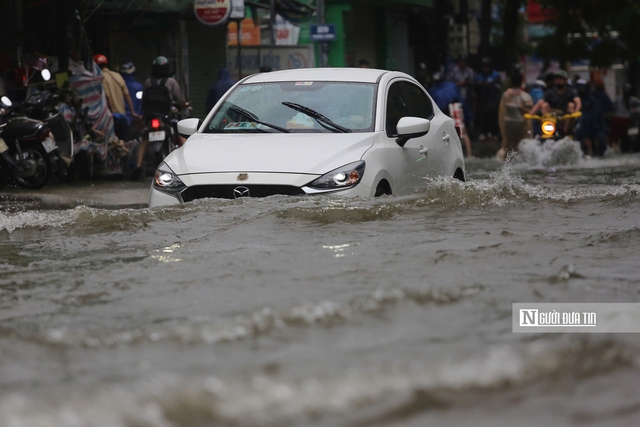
[445, 93]
[488, 94]
[560, 97]
[127, 70]
[222, 85]
[591, 130]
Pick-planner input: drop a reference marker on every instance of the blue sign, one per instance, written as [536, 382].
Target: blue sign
[323, 32]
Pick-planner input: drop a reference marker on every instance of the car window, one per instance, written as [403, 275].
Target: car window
[351, 105]
[417, 101]
[396, 109]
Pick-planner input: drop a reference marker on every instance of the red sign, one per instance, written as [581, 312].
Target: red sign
[212, 12]
[539, 15]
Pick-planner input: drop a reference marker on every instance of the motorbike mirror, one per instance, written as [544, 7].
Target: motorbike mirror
[139, 94]
[6, 101]
[46, 75]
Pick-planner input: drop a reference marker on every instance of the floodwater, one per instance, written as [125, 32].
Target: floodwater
[323, 311]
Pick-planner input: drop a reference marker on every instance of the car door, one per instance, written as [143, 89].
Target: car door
[404, 163]
[436, 140]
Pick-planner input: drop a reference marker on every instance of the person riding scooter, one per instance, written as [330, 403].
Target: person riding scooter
[560, 98]
[156, 101]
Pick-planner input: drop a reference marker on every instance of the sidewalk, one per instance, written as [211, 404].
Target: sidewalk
[98, 194]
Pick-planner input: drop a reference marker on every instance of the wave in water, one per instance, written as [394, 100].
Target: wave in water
[259, 322]
[268, 400]
[503, 187]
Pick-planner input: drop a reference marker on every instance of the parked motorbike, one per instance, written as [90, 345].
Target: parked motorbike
[27, 150]
[43, 106]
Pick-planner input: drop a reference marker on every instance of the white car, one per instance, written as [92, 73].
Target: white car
[350, 132]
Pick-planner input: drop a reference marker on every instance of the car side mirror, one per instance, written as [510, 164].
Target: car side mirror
[411, 127]
[188, 127]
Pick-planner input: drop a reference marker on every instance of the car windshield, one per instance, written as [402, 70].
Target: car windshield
[258, 107]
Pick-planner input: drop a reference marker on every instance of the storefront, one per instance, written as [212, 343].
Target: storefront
[171, 29]
[384, 33]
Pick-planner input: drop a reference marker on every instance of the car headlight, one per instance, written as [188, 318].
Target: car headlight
[167, 181]
[344, 177]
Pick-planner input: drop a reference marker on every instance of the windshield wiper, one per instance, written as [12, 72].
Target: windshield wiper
[318, 117]
[253, 117]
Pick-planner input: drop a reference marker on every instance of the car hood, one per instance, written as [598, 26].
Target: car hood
[278, 152]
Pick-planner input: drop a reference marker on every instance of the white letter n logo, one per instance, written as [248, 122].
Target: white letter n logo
[528, 317]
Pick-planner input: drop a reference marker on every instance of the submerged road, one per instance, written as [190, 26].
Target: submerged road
[296, 311]
[96, 194]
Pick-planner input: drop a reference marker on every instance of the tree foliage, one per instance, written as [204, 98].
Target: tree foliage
[601, 31]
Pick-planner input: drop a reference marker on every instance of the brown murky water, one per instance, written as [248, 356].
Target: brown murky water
[323, 311]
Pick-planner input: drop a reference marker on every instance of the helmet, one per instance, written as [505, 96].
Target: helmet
[582, 85]
[562, 74]
[161, 66]
[540, 83]
[127, 68]
[436, 77]
[100, 59]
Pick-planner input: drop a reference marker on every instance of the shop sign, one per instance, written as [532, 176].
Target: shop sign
[212, 12]
[237, 10]
[323, 32]
[250, 33]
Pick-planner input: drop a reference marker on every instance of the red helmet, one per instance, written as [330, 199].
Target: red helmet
[100, 59]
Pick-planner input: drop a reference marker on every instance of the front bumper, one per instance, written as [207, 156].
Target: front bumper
[228, 186]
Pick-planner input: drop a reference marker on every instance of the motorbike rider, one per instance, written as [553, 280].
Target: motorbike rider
[559, 98]
[160, 73]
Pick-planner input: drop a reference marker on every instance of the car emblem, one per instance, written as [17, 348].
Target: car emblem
[240, 192]
[243, 177]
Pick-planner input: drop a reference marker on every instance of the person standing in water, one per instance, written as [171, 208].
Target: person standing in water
[513, 104]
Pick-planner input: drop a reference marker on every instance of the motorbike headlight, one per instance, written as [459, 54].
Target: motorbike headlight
[344, 177]
[548, 128]
[167, 181]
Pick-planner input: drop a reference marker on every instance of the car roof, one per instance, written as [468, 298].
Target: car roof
[363, 75]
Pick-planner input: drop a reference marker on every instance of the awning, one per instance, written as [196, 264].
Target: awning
[423, 3]
[142, 5]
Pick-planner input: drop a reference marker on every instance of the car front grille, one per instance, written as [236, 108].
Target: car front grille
[238, 191]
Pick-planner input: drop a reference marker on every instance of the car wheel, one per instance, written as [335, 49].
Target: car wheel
[383, 188]
[459, 175]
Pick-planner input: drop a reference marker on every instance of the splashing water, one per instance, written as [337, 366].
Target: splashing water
[549, 153]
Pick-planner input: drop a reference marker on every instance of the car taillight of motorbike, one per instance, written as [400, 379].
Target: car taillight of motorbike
[155, 123]
[20, 76]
